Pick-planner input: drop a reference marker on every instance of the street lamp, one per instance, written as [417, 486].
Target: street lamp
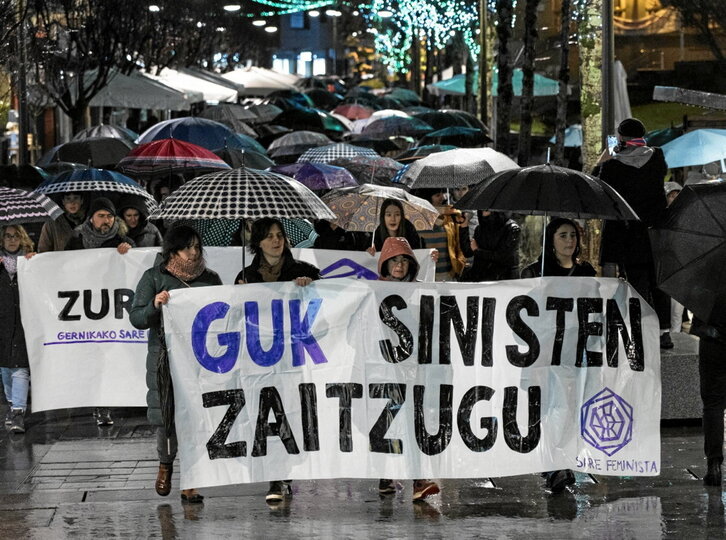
[334, 14]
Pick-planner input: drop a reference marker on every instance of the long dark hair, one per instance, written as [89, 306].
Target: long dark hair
[178, 238]
[549, 248]
[382, 219]
[260, 228]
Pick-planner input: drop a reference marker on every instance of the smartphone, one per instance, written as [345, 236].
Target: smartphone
[612, 144]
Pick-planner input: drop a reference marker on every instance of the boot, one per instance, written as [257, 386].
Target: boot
[163, 479]
[713, 472]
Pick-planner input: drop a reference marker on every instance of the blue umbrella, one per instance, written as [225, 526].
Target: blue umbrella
[573, 136]
[696, 147]
[98, 181]
[200, 131]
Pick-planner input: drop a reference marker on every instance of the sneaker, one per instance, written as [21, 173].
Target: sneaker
[17, 423]
[279, 489]
[665, 341]
[103, 417]
[9, 417]
[424, 488]
[557, 481]
[386, 487]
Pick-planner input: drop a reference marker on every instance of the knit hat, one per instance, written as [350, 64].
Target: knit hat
[672, 186]
[101, 203]
[631, 127]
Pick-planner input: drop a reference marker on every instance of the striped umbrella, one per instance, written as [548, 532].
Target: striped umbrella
[167, 156]
[19, 206]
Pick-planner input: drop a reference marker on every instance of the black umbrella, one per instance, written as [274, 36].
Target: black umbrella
[311, 120]
[100, 152]
[689, 247]
[463, 137]
[548, 190]
[441, 120]
[244, 157]
[391, 126]
[324, 99]
[545, 190]
[166, 389]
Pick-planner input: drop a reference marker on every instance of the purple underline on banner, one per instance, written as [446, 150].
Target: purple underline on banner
[93, 341]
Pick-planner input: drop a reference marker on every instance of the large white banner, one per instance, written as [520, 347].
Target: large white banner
[350, 378]
[82, 348]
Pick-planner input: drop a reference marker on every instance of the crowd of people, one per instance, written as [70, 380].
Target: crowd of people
[491, 252]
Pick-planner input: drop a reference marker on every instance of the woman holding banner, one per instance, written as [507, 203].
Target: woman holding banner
[398, 263]
[182, 265]
[13, 355]
[273, 262]
[562, 246]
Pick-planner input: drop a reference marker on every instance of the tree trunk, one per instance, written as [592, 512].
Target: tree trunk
[469, 103]
[505, 92]
[564, 79]
[590, 45]
[525, 123]
[483, 63]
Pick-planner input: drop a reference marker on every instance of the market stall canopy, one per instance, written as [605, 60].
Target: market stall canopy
[137, 91]
[455, 86]
[259, 81]
[185, 81]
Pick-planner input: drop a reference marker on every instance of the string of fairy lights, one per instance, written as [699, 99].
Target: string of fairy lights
[395, 23]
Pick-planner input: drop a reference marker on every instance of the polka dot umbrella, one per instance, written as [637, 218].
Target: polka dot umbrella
[242, 194]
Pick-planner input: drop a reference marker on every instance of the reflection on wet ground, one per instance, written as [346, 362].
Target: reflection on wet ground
[68, 478]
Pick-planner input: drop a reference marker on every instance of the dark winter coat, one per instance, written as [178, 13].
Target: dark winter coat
[497, 256]
[329, 238]
[637, 174]
[291, 269]
[409, 233]
[12, 337]
[145, 316]
[534, 270]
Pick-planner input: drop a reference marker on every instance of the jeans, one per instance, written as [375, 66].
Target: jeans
[712, 371]
[166, 448]
[16, 382]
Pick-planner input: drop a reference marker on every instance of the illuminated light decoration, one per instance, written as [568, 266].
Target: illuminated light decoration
[271, 29]
[434, 21]
[154, 8]
[259, 22]
[314, 13]
[232, 7]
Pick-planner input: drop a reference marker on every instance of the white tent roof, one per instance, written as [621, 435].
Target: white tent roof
[184, 82]
[260, 82]
[137, 91]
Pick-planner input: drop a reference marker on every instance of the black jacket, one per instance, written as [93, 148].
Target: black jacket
[13, 353]
[291, 269]
[497, 256]
[637, 174]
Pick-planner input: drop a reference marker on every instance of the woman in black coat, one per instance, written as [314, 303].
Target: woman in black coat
[274, 262]
[13, 354]
[496, 249]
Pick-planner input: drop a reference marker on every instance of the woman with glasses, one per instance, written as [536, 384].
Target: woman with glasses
[13, 355]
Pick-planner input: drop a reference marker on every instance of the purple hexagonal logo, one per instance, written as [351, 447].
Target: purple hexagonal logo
[606, 421]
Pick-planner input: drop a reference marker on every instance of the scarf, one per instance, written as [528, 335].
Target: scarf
[636, 142]
[10, 261]
[185, 270]
[74, 219]
[93, 238]
[268, 271]
[458, 260]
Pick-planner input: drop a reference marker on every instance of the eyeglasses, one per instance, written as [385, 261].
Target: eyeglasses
[9, 236]
[399, 260]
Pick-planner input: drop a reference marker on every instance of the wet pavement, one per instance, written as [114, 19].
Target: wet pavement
[68, 478]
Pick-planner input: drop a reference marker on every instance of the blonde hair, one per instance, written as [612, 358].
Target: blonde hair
[26, 244]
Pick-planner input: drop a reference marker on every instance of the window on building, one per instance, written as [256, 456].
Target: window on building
[299, 20]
